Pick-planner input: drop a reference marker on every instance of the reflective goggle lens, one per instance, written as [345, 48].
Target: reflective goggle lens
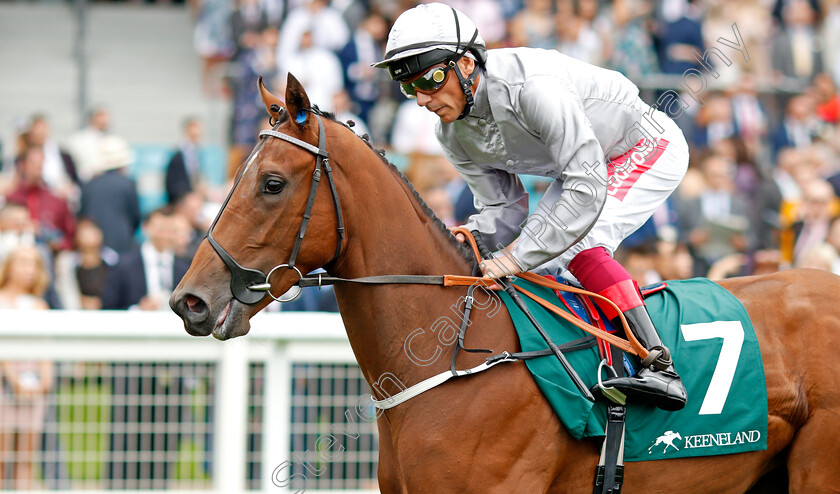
[428, 82]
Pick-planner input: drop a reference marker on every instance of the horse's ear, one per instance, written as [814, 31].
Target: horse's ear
[297, 101]
[272, 103]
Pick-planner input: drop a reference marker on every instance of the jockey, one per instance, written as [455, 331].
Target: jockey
[538, 112]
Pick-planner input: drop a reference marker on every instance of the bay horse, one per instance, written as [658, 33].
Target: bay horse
[494, 431]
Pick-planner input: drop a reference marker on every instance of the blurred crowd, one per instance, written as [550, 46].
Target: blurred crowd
[761, 193]
[762, 122]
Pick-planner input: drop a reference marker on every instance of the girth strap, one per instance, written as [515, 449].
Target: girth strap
[572, 346]
[609, 476]
[437, 380]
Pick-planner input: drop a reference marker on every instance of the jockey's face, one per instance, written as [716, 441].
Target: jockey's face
[448, 101]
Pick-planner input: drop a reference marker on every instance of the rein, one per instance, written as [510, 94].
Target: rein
[630, 345]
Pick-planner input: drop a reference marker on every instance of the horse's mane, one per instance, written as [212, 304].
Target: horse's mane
[465, 251]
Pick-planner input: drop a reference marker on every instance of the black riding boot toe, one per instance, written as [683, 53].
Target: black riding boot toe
[661, 388]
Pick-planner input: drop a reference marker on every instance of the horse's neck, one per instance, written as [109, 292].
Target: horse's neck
[400, 239]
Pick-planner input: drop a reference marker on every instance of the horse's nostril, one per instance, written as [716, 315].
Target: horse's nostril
[195, 304]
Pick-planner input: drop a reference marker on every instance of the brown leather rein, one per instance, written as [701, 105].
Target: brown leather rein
[631, 344]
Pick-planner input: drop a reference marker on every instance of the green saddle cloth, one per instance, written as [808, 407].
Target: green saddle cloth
[715, 351]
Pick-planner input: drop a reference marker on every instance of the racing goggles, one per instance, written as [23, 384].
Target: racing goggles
[429, 82]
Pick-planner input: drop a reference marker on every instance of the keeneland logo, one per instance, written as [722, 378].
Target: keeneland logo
[667, 439]
[721, 439]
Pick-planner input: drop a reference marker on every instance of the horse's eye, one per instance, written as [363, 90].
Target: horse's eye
[274, 186]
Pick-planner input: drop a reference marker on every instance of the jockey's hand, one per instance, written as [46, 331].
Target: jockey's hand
[459, 236]
[500, 266]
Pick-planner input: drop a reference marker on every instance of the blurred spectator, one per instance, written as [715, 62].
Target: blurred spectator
[364, 48]
[488, 17]
[440, 202]
[534, 25]
[640, 261]
[796, 45]
[464, 205]
[714, 224]
[342, 108]
[192, 207]
[673, 261]
[110, 197]
[746, 170]
[749, 118]
[16, 228]
[59, 170]
[144, 277]
[54, 224]
[827, 99]
[328, 29]
[798, 126]
[183, 173]
[275, 11]
[681, 37]
[247, 22]
[766, 261]
[714, 121]
[212, 38]
[818, 206]
[755, 27]
[821, 256]
[779, 6]
[734, 264]
[352, 11]
[834, 170]
[629, 47]
[754, 182]
[823, 158]
[833, 240]
[84, 145]
[414, 130]
[23, 402]
[831, 39]
[575, 32]
[253, 59]
[428, 172]
[80, 274]
[792, 167]
[318, 69]
[23, 279]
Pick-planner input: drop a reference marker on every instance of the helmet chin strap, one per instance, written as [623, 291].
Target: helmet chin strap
[466, 85]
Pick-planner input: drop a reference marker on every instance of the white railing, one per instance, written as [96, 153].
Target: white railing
[277, 344]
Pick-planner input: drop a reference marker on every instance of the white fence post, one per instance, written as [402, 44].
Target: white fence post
[231, 419]
[276, 417]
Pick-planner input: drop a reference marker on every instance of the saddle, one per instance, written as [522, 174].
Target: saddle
[704, 326]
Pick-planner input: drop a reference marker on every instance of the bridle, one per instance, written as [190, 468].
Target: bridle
[249, 286]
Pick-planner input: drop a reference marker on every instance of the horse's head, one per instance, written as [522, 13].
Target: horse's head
[276, 223]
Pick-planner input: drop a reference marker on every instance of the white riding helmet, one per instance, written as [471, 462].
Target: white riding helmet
[427, 35]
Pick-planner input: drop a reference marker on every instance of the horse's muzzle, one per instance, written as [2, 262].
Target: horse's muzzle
[194, 311]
